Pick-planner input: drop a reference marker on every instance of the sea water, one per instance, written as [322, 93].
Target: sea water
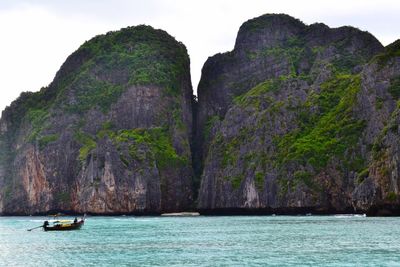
[205, 241]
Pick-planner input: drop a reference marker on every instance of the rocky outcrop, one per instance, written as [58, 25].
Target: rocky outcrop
[273, 46]
[111, 134]
[288, 121]
[295, 119]
[378, 187]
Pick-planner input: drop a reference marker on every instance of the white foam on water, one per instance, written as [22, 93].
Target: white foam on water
[124, 219]
[343, 216]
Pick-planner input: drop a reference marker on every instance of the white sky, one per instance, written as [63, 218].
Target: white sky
[37, 36]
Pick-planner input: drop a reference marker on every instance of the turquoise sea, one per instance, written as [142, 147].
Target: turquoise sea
[205, 241]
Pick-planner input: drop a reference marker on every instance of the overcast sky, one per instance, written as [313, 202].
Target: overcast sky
[37, 36]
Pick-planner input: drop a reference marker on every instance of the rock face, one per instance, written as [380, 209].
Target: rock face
[296, 119]
[299, 118]
[111, 133]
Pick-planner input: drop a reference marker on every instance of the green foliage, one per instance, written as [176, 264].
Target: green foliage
[394, 128]
[306, 178]
[177, 116]
[88, 144]
[236, 181]
[28, 106]
[124, 160]
[106, 130]
[209, 125]
[379, 147]
[348, 59]
[379, 103]
[45, 140]
[394, 88]
[121, 59]
[259, 93]
[148, 56]
[95, 76]
[251, 55]
[157, 140]
[391, 196]
[101, 69]
[264, 21]
[346, 62]
[330, 133]
[391, 51]
[37, 119]
[334, 90]
[90, 92]
[230, 151]
[293, 53]
[327, 129]
[107, 125]
[362, 175]
[259, 180]
[318, 49]
[137, 154]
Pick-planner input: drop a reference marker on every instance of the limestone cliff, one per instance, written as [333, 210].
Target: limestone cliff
[290, 121]
[110, 134]
[295, 119]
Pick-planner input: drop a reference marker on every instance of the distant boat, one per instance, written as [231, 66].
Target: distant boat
[63, 225]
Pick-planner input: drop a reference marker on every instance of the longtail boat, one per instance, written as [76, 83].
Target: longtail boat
[61, 225]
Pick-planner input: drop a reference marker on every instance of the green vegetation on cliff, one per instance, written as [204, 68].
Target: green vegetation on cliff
[158, 142]
[391, 51]
[270, 84]
[264, 21]
[153, 144]
[327, 130]
[330, 132]
[88, 143]
[394, 88]
[259, 93]
[99, 72]
[144, 55]
[63, 123]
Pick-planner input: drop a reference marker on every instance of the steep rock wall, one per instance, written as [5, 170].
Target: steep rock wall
[111, 133]
[288, 120]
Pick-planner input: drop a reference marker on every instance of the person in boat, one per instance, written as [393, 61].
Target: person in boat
[45, 224]
[75, 220]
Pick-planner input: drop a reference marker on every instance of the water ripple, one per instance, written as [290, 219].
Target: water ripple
[341, 240]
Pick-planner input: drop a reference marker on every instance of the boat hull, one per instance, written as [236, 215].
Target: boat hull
[59, 227]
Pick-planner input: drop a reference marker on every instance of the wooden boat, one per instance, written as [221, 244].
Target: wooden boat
[63, 225]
